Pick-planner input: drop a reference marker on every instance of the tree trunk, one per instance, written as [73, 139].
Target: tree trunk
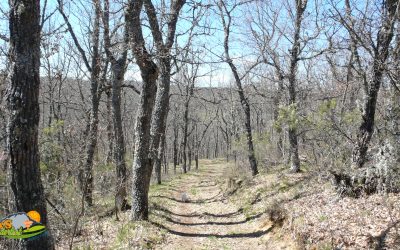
[277, 100]
[119, 151]
[366, 128]
[118, 74]
[109, 129]
[161, 108]
[142, 163]
[160, 115]
[216, 153]
[294, 58]
[189, 157]
[185, 135]
[175, 146]
[23, 110]
[159, 160]
[196, 158]
[238, 81]
[87, 181]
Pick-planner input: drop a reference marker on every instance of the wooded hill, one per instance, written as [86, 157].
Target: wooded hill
[103, 101]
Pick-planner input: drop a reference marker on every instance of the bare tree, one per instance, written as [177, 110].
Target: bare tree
[94, 67]
[390, 10]
[189, 75]
[118, 69]
[142, 162]
[226, 18]
[158, 126]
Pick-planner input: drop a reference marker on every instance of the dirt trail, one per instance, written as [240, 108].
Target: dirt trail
[207, 220]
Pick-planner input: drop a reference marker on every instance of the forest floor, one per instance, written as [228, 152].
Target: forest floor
[219, 207]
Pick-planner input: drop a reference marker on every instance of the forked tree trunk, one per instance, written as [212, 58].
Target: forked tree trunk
[160, 114]
[366, 128]
[142, 163]
[161, 108]
[23, 110]
[382, 176]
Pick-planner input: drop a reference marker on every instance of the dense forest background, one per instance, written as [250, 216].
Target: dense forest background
[132, 93]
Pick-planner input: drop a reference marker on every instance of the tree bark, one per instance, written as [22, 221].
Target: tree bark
[142, 162]
[23, 109]
[277, 100]
[381, 53]
[158, 160]
[294, 58]
[161, 107]
[110, 136]
[185, 134]
[118, 68]
[175, 145]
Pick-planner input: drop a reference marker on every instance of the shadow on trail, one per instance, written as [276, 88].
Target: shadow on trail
[255, 234]
[206, 186]
[239, 211]
[169, 219]
[166, 210]
[209, 200]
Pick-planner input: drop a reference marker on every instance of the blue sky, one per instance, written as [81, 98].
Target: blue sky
[210, 45]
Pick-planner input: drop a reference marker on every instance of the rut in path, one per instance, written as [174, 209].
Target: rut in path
[208, 220]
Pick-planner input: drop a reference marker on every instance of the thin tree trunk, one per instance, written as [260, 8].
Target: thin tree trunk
[175, 146]
[294, 58]
[119, 151]
[23, 112]
[277, 100]
[87, 180]
[189, 157]
[118, 73]
[216, 153]
[159, 159]
[238, 81]
[185, 135]
[109, 129]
